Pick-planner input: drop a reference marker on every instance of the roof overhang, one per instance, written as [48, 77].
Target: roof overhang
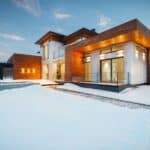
[50, 36]
[131, 31]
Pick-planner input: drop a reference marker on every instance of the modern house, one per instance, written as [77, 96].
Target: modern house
[119, 55]
[26, 66]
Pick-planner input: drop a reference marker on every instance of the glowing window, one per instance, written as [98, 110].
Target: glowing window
[105, 51]
[117, 47]
[22, 70]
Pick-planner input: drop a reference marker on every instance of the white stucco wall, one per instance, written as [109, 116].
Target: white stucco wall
[52, 46]
[95, 67]
[55, 46]
[135, 65]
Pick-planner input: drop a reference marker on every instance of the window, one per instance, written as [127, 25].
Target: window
[117, 48]
[112, 70]
[113, 48]
[106, 50]
[58, 54]
[45, 52]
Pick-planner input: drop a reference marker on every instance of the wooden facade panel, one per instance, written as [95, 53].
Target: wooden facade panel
[74, 65]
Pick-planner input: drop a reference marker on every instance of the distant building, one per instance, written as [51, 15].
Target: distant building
[26, 66]
[6, 71]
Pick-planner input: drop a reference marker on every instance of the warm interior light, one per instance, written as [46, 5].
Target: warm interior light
[88, 59]
[22, 70]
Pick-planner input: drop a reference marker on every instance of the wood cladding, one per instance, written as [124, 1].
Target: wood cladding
[128, 31]
[74, 69]
[26, 66]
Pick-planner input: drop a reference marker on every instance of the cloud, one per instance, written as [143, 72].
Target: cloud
[31, 6]
[60, 15]
[59, 30]
[104, 21]
[4, 55]
[11, 36]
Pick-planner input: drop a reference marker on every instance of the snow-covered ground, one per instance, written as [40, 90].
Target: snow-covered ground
[11, 81]
[36, 118]
[141, 94]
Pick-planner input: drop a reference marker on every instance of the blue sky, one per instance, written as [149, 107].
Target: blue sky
[22, 22]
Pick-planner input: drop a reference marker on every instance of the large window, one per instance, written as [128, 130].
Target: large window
[45, 52]
[113, 48]
[112, 70]
[58, 54]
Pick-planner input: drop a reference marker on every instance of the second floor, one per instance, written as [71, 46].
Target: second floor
[53, 44]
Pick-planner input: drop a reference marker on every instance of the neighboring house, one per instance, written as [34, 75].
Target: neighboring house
[6, 71]
[119, 55]
[26, 66]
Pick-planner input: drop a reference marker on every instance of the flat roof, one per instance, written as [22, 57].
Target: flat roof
[50, 35]
[84, 32]
[132, 30]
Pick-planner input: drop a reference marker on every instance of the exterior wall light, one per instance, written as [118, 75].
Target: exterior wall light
[22, 70]
[143, 56]
[33, 70]
[136, 54]
[28, 70]
[88, 59]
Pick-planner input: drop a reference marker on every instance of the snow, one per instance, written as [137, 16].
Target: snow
[41, 82]
[36, 118]
[141, 94]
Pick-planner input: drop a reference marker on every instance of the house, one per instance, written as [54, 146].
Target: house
[26, 66]
[6, 71]
[119, 55]
[53, 46]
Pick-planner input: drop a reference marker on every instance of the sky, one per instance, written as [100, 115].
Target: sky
[23, 22]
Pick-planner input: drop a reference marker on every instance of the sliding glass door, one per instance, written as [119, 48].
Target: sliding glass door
[112, 70]
[106, 70]
[117, 70]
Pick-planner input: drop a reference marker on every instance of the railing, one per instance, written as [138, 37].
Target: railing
[118, 78]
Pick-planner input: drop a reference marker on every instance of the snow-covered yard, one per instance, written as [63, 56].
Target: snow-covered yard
[36, 118]
[141, 94]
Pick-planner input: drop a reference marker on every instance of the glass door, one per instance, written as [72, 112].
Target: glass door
[117, 70]
[106, 70]
[112, 70]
